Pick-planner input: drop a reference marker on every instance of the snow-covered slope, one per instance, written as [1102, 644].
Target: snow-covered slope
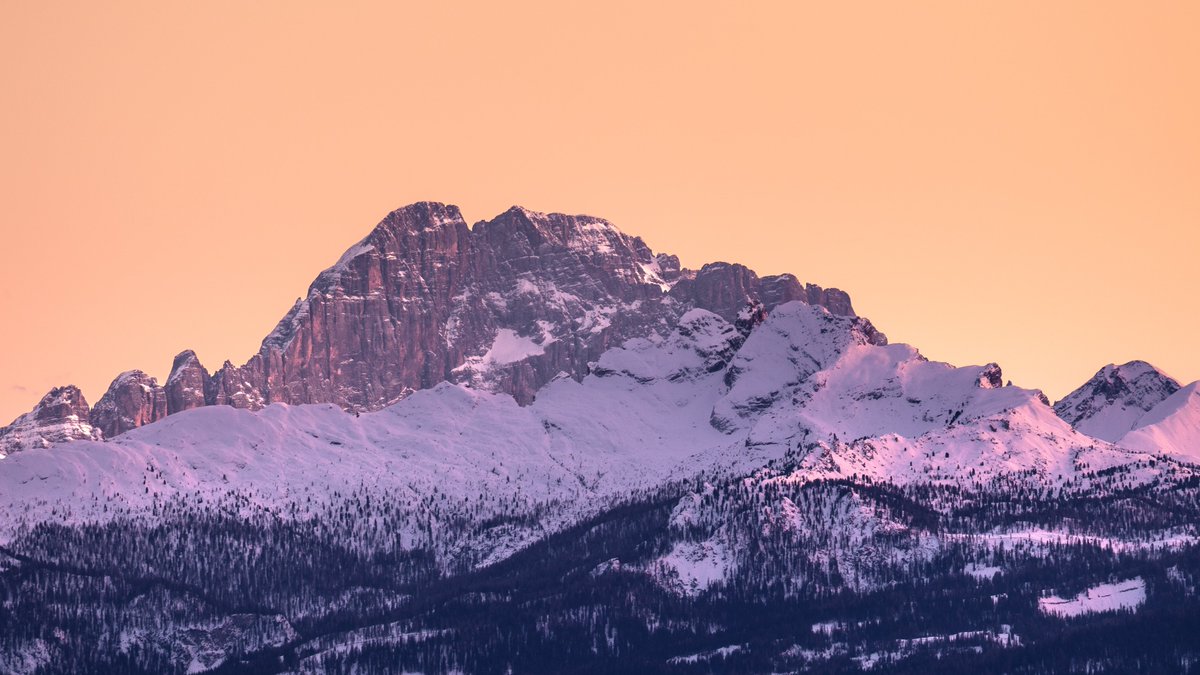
[804, 384]
[1124, 595]
[812, 385]
[1171, 427]
[1114, 400]
[612, 433]
[785, 351]
[1139, 407]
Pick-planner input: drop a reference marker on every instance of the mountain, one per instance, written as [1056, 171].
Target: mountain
[643, 416]
[1112, 402]
[133, 399]
[1171, 427]
[61, 416]
[1137, 406]
[533, 445]
[506, 305]
[800, 386]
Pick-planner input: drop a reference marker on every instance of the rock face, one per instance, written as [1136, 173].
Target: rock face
[132, 400]
[188, 384]
[991, 377]
[506, 305]
[62, 415]
[1113, 401]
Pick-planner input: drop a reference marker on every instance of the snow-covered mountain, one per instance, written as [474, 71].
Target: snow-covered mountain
[1137, 406]
[706, 399]
[1171, 427]
[1115, 399]
[453, 416]
[651, 387]
[505, 305]
[60, 417]
[645, 415]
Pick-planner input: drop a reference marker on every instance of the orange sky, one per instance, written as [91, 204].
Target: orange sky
[991, 181]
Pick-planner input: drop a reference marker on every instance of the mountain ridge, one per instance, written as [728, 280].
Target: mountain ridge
[583, 456]
[706, 398]
[422, 298]
[1112, 401]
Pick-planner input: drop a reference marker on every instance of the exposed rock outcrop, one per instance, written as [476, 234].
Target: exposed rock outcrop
[62, 415]
[132, 400]
[507, 305]
[188, 384]
[1112, 402]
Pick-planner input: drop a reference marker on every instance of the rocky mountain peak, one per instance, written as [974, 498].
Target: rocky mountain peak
[62, 415]
[539, 228]
[506, 305]
[422, 215]
[132, 400]
[991, 377]
[583, 255]
[1134, 375]
[187, 384]
[720, 287]
[62, 403]
[184, 359]
[1110, 404]
[419, 227]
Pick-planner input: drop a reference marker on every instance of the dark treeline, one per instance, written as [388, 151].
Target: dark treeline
[375, 584]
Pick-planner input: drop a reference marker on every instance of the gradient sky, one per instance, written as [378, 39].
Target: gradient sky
[991, 181]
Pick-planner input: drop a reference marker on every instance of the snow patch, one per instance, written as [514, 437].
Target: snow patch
[1129, 594]
[982, 572]
[692, 567]
[508, 347]
[720, 652]
[652, 274]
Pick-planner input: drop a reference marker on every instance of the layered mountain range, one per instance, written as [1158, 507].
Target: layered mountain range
[541, 402]
[506, 305]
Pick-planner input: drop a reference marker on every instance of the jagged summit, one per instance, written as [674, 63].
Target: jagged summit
[691, 430]
[505, 305]
[1137, 406]
[1111, 403]
[419, 217]
[707, 393]
[62, 415]
[132, 400]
